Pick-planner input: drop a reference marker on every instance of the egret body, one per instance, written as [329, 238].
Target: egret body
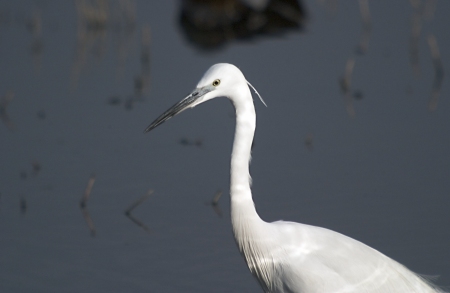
[287, 256]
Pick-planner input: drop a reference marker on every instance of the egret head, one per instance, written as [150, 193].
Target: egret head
[221, 80]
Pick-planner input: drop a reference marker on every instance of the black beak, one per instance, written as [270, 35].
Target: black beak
[178, 107]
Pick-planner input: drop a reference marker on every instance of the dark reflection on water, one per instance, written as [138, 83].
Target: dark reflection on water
[209, 25]
[69, 70]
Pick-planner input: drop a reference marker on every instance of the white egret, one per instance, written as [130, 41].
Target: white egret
[287, 256]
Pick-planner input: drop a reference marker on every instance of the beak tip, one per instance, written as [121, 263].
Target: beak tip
[177, 108]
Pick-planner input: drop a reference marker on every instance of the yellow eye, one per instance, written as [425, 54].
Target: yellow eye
[216, 82]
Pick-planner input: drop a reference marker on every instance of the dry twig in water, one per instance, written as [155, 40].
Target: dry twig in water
[136, 204]
[438, 72]
[83, 205]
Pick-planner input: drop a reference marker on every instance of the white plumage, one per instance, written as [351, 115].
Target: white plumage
[287, 256]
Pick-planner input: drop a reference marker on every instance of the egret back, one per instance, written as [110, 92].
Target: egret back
[314, 259]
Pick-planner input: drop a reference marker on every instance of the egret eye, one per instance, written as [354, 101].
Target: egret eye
[216, 82]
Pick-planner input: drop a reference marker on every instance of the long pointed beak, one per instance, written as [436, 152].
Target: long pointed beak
[178, 107]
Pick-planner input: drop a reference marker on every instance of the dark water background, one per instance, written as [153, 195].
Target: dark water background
[371, 161]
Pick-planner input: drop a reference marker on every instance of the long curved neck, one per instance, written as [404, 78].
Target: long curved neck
[250, 232]
[242, 207]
